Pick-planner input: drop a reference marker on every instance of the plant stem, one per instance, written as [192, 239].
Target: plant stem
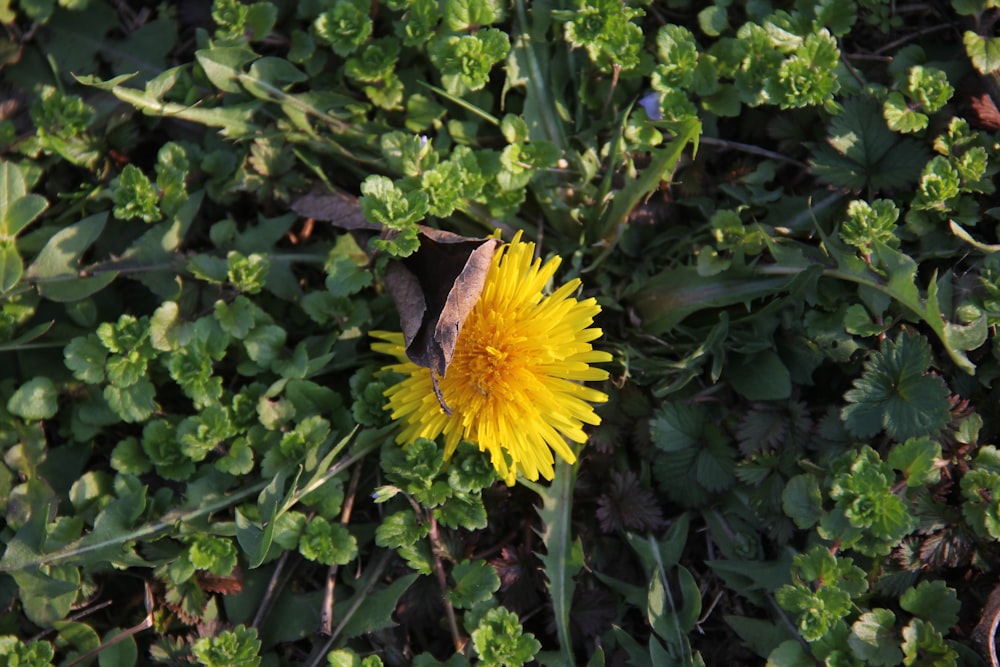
[437, 547]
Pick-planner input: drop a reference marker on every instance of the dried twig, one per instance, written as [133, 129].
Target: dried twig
[146, 623]
[326, 614]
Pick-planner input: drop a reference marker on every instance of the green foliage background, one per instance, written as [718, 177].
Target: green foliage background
[786, 210]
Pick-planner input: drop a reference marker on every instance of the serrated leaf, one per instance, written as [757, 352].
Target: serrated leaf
[133, 404]
[917, 459]
[715, 467]
[983, 51]
[677, 426]
[462, 510]
[933, 601]
[475, 581]
[896, 393]
[874, 640]
[862, 151]
[85, 356]
[900, 117]
[399, 529]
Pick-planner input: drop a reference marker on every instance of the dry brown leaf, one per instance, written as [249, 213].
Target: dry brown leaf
[334, 206]
[435, 289]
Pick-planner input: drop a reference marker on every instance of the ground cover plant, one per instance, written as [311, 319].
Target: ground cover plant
[745, 407]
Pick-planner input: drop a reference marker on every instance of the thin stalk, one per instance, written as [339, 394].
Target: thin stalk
[279, 578]
[326, 615]
[437, 548]
[373, 575]
[752, 150]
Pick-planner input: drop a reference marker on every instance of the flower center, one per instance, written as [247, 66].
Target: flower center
[485, 359]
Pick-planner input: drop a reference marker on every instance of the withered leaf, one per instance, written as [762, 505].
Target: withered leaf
[435, 289]
[334, 206]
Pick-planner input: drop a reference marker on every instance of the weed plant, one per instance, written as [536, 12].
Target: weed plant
[786, 212]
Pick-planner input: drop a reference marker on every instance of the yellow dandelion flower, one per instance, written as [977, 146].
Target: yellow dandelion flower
[514, 385]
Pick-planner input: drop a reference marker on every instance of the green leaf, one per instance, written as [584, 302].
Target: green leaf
[802, 501]
[713, 20]
[376, 609]
[923, 643]
[465, 61]
[462, 510]
[35, 400]
[57, 268]
[117, 651]
[662, 164]
[11, 265]
[21, 213]
[345, 27]
[224, 65]
[326, 543]
[677, 426]
[264, 344]
[32, 653]
[385, 203]
[672, 295]
[900, 117]
[896, 393]
[401, 528]
[983, 51]
[564, 556]
[475, 581]
[607, 31]
[790, 653]
[917, 459]
[838, 15]
[213, 553]
[12, 186]
[48, 597]
[861, 151]
[470, 15]
[933, 601]
[673, 615]
[874, 640]
[133, 404]
[762, 376]
[238, 460]
[500, 640]
[238, 647]
[135, 196]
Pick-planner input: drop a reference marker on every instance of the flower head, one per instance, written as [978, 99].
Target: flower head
[514, 386]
